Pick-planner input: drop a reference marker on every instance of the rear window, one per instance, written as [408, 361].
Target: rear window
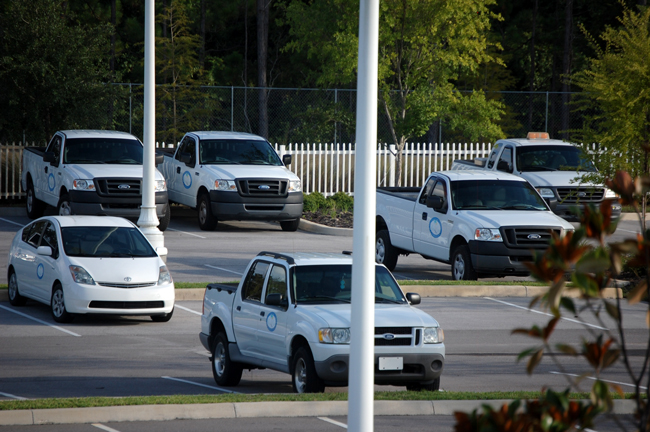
[112, 242]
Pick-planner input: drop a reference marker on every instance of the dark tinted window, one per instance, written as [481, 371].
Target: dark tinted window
[277, 283]
[552, 158]
[112, 242]
[440, 190]
[426, 190]
[255, 281]
[32, 233]
[244, 152]
[187, 150]
[50, 239]
[495, 195]
[102, 151]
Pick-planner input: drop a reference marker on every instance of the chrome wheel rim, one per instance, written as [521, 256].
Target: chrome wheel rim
[64, 209]
[13, 286]
[459, 267]
[300, 375]
[203, 213]
[219, 359]
[30, 199]
[380, 251]
[58, 306]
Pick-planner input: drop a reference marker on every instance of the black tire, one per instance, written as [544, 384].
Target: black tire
[461, 264]
[207, 221]
[35, 207]
[57, 306]
[290, 225]
[225, 371]
[385, 252]
[162, 318]
[63, 208]
[304, 377]
[14, 294]
[432, 386]
[164, 221]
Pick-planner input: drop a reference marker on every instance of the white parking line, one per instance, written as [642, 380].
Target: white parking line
[223, 269]
[402, 276]
[12, 222]
[334, 422]
[40, 321]
[106, 428]
[199, 384]
[592, 378]
[187, 309]
[9, 395]
[185, 232]
[544, 313]
[633, 232]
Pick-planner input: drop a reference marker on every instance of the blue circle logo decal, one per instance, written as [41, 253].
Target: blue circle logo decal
[51, 182]
[187, 179]
[40, 271]
[271, 321]
[435, 227]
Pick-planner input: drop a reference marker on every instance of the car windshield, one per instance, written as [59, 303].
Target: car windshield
[239, 152]
[111, 242]
[495, 195]
[552, 158]
[328, 284]
[102, 151]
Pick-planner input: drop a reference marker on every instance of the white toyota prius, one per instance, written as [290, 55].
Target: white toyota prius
[89, 265]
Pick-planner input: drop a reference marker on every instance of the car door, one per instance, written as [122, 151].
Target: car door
[47, 270]
[431, 238]
[28, 273]
[248, 309]
[272, 330]
[184, 176]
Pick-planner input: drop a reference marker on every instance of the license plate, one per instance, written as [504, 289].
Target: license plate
[391, 363]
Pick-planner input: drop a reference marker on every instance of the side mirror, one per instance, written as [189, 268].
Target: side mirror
[159, 159]
[276, 299]
[413, 298]
[49, 157]
[434, 202]
[286, 160]
[504, 166]
[44, 250]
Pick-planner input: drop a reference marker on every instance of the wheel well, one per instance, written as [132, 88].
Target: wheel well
[216, 326]
[54, 285]
[457, 241]
[296, 343]
[10, 270]
[380, 224]
[202, 190]
[63, 191]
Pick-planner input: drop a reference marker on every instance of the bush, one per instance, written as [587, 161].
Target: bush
[313, 202]
[342, 201]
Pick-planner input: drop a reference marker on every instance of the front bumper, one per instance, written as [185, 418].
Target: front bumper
[97, 299]
[91, 203]
[232, 206]
[495, 258]
[569, 212]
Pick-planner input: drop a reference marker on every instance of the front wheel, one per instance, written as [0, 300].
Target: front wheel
[290, 225]
[461, 264]
[64, 208]
[225, 371]
[164, 221]
[385, 252]
[59, 313]
[305, 379]
[207, 221]
[14, 295]
[432, 386]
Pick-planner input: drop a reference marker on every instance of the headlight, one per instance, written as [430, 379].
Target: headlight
[225, 185]
[164, 277]
[334, 335]
[546, 192]
[610, 193]
[161, 186]
[487, 234]
[295, 186]
[80, 275]
[82, 184]
[433, 335]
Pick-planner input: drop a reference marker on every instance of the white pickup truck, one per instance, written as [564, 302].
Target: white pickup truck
[89, 172]
[480, 222]
[232, 176]
[551, 166]
[292, 313]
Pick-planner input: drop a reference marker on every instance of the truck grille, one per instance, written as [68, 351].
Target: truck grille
[583, 194]
[262, 188]
[401, 336]
[528, 237]
[118, 187]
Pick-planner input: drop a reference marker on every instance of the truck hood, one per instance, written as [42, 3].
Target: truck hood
[555, 178]
[232, 172]
[115, 270]
[499, 218]
[386, 315]
[90, 171]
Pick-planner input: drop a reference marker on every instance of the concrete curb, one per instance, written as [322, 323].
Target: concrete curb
[248, 410]
[312, 227]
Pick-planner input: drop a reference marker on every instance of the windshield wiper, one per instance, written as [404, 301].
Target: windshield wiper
[384, 299]
[322, 297]
[538, 168]
[522, 207]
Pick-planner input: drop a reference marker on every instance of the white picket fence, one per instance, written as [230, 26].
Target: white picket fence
[323, 167]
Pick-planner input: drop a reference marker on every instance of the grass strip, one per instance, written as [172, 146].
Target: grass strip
[285, 397]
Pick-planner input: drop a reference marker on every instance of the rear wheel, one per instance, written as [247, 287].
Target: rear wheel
[461, 264]
[225, 371]
[64, 208]
[432, 386]
[164, 221]
[35, 207]
[14, 295]
[59, 313]
[305, 379]
[290, 225]
[207, 221]
[385, 252]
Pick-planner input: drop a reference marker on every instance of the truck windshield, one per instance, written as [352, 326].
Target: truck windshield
[318, 284]
[102, 151]
[495, 195]
[552, 158]
[240, 152]
[113, 242]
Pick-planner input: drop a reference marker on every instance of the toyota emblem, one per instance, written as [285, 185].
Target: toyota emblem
[124, 186]
[127, 279]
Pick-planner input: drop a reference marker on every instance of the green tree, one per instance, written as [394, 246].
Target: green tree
[53, 71]
[425, 46]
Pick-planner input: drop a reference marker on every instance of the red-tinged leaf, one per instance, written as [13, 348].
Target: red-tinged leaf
[548, 330]
[534, 361]
[637, 293]
[555, 295]
[534, 331]
[610, 357]
[618, 389]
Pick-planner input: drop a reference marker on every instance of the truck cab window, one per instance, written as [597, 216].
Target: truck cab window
[493, 156]
[277, 283]
[426, 190]
[505, 161]
[55, 147]
[440, 190]
[187, 151]
[255, 282]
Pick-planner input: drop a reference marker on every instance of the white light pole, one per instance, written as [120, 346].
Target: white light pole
[148, 221]
[362, 346]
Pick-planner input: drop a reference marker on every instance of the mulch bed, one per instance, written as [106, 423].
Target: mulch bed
[341, 220]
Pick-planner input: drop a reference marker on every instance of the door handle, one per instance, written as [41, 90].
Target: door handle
[238, 308]
[45, 169]
[424, 216]
[262, 313]
[178, 170]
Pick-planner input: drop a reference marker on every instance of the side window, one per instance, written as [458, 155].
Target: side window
[505, 161]
[440, 189]
[426, 191]
[255, 282]
[35, 234]
[277, 282]
[50, 239]
[187, 151]
[55, 147]
[493, 156]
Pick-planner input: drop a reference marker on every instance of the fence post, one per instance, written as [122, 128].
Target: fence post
[232, 108]
[546, 125]
[391, 164]
[130, 108]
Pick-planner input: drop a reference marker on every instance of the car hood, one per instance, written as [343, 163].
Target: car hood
[118, 270]
[556, 178]
[232, 172]
[90, 171]
[499, 218]
[386, 315]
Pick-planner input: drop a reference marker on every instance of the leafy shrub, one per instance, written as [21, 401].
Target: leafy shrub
[313, 202]
[342, 201]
